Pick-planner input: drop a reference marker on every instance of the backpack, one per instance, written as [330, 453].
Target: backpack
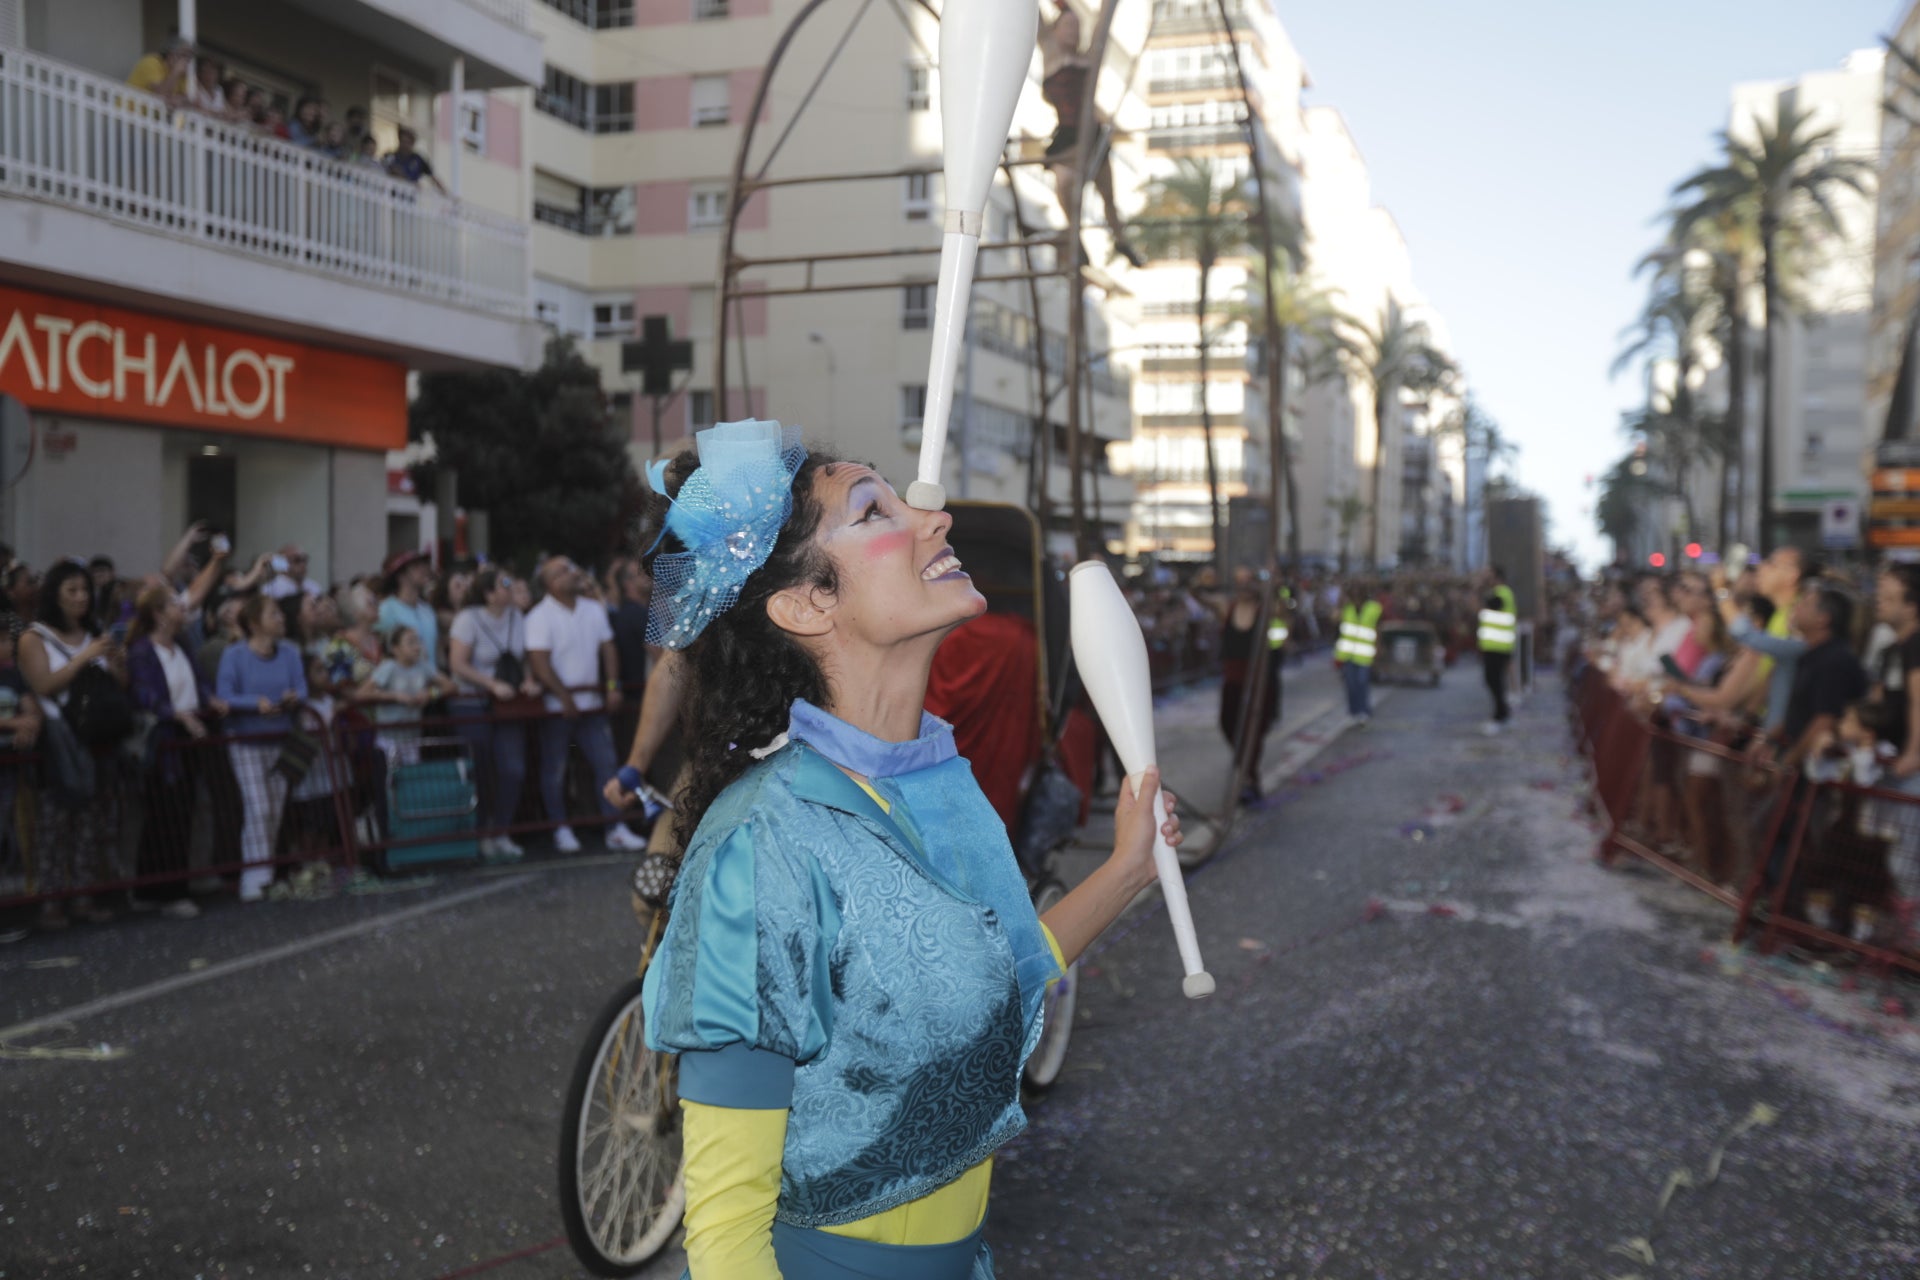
[96, 708]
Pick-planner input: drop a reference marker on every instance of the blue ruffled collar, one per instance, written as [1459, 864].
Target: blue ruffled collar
[865, 754]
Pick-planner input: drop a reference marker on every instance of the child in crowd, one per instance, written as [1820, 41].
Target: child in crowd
[398, 688]
[1849, 889]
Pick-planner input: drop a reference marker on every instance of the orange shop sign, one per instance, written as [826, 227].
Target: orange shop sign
[80, 358]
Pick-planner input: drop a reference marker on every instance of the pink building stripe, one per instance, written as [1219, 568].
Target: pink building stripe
[663, 102]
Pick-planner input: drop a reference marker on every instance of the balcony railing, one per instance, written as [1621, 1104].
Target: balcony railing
[1199, 82]
[511, 12]
[71, 138]
[1191, 137]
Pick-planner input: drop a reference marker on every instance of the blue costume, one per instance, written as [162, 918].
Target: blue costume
[877, 970]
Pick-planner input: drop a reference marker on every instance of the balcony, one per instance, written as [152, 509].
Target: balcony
[1193, 137]
[496, 37]
[1208, 82]
[1195, 17]
[105, 191]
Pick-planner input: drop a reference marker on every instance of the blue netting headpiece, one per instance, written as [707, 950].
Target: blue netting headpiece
[728, 514]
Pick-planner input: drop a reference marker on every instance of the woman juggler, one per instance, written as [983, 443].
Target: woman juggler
[853, 972]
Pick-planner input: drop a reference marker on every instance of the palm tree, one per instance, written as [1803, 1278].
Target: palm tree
[1350, 510]
[1786, 179]
[1676, 326]
[1199, 213]
[1477, 431]
[1392, 356]
[1301, 308]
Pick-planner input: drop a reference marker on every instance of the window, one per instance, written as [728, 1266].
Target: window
[608, 212]
[699, 410]
[558, 202]
[916, 306]
[470, 122]
[710, 101]
[706, 208]
[612, 108]
[613, 318]
[597, 108]
[699, 312]
[563, 308]
[919, 205]
[601, 15]
[564, 97]
[709, 10]
[918, 80]
[913, 409]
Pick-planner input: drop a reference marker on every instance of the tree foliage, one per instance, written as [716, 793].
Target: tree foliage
[536, 452]
[1392, 355]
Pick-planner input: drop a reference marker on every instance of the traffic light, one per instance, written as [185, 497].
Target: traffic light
[1657, 560]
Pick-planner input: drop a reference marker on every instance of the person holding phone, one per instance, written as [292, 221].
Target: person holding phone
[78, 833]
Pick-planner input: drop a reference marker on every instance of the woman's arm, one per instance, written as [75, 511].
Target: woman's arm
[1745, 633]
[1096, 902]
[733, 1182]
[460, 661]
[41, 678]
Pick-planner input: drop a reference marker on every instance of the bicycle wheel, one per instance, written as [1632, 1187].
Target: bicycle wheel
[620, 1158]
[1043, 1068]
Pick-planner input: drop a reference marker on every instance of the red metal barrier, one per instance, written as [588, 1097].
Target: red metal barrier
[1825, 865]
[175, 815]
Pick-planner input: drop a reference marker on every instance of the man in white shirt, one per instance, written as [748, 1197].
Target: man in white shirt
[570, 652]
[292, 578]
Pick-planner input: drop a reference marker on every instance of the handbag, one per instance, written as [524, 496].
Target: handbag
[507, 668]
[96, 706]
[71, 774]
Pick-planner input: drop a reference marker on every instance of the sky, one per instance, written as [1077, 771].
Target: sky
[1526, 148]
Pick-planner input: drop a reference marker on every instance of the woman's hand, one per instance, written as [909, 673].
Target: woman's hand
[191, 723]
[1133, 821]
[218, 705]
[265, 706]
[502, 691]
[98, 647]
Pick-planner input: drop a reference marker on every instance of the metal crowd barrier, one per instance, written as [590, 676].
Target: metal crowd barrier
[173, 813]
[1824, 866]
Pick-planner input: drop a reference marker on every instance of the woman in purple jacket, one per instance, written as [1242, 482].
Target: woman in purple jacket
[166, 684]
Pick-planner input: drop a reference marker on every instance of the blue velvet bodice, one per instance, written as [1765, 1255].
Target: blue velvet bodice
[894, 956]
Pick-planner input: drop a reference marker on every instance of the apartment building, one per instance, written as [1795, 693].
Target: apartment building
[630, 142]
[1829, 366]
[1194, 96]
[205, 323]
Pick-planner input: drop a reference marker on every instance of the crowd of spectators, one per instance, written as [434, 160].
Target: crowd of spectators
[1769, 682]
[152, 726]
[186, 80]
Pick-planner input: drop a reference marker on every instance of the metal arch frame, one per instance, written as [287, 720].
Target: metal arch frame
[728, 293]
[1070, 264]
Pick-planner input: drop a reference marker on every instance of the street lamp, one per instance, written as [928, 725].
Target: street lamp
[832, 371]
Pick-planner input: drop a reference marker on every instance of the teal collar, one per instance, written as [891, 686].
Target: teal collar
[866, 755]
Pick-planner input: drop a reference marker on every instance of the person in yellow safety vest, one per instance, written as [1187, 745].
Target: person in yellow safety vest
[1239, 623]
[1499, 625]
[1353, 651]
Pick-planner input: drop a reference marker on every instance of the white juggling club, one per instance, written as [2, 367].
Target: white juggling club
[985, 49]
[1112, 657]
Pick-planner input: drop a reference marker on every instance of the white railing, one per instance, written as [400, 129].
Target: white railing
[511, 12]
[72, 138]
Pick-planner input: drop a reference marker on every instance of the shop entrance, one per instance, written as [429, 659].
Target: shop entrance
[213, 490]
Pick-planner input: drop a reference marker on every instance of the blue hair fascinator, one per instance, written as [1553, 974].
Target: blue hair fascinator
[728, 514]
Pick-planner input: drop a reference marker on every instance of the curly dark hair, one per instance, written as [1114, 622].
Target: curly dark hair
[743, 671]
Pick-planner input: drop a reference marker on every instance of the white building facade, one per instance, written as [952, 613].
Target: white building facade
[205, 323]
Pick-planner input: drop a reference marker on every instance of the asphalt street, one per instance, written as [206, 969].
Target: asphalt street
[1446, 1043]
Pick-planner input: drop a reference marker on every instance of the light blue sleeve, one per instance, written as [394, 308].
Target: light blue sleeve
[1760, 641]
[745, 958]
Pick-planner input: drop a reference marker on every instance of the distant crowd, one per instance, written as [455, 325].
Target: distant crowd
[185, 79]
[110, 682]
